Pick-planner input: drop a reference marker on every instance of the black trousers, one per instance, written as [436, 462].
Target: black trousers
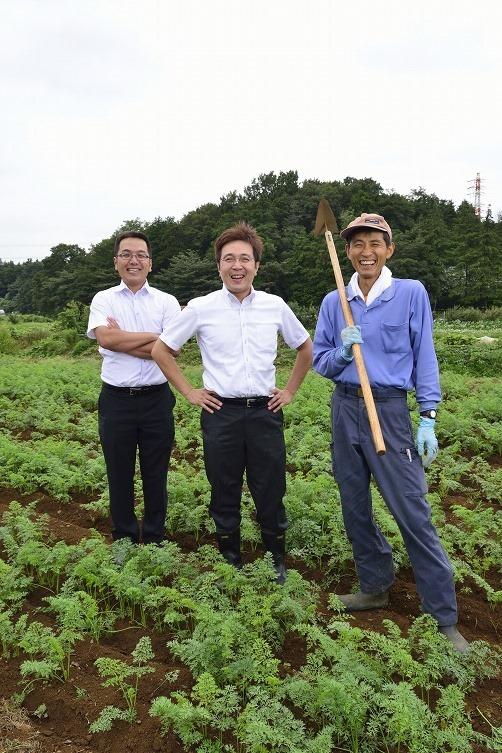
[238, 439]
[141, 421]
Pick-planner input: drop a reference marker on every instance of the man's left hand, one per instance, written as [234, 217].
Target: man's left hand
[427, 444]
[279, 399]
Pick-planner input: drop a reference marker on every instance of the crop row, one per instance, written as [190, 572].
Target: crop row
[358, 689]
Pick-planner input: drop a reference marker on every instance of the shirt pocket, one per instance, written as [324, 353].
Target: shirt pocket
[395, 337]
[263, 337]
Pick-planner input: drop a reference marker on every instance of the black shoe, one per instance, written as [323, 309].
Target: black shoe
[276, 545]
[229, 545]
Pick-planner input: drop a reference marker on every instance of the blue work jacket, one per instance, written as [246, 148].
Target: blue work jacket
[398, 348]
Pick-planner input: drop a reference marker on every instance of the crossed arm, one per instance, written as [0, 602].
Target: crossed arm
[138, 344]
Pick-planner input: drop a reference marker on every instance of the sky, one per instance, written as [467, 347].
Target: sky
[117, 109]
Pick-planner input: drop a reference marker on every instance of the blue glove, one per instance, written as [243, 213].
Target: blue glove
[350, 335]
[427, 444]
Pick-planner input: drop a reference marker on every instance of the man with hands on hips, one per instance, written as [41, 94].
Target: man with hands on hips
[242, 423]
[393, 319]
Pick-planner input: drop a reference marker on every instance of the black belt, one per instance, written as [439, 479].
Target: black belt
[257, 401]
[135, 390]
[379, 393]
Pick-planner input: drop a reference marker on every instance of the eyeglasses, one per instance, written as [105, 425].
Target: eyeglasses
[244, 259]
[142, 256]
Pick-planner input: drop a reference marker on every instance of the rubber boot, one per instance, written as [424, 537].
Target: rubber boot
[276, 545]
[360, 601]
[457, 639]
[229, 545]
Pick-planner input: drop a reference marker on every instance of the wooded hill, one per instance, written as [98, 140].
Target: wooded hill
[456, 256]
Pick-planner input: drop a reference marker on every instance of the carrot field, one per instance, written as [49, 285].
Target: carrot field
[176, 650]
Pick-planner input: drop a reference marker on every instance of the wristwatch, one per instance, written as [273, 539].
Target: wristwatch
[432, 413]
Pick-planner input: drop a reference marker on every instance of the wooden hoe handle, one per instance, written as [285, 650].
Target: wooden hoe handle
[376, 432]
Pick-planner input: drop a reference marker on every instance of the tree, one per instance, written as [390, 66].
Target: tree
[422, 254]
[308, 269]
[188, 276]
[457, 257]
[468, 252]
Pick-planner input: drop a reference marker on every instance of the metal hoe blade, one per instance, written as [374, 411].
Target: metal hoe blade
[325, 219]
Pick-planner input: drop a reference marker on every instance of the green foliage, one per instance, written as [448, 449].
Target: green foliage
[14, 585]
[50, 653]
[266, 724]
[117, 674]
[470, 314]
[7, 341]
[11, 633]
[208, 710]
[78, 610]
[107, 716]
[463, 352]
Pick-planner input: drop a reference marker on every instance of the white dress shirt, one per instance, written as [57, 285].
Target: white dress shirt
[148, 310]
[383, 281]
[237, 341]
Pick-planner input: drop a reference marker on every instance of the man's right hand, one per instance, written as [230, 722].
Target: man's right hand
[205, 399]
[350, 336]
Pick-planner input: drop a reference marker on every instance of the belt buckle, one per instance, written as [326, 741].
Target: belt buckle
[134, 391]
[360, 392]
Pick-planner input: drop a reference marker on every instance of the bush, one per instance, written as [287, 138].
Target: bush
[7, 342]
[84, 346]
[74, 317]
[306, 314]
[470, 314]
[463, 353]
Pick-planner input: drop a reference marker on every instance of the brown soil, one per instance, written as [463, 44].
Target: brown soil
[61, 725]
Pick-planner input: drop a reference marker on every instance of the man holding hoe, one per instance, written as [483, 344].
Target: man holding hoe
[393, 319]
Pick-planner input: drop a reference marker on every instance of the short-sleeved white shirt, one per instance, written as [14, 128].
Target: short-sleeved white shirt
[148, 310]
[237, 341]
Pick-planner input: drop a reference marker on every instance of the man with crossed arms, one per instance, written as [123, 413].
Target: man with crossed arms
[136, 403]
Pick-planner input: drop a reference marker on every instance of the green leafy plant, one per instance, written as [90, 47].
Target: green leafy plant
[118, 674]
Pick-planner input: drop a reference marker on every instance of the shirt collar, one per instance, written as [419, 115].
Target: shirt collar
[232, 298]
[143, 289]
[382, 283]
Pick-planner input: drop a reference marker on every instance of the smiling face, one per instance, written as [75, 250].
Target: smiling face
[238, 268]
[368, 252]
[133, 271]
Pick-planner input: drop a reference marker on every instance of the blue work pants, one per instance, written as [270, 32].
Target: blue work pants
[400, 478]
